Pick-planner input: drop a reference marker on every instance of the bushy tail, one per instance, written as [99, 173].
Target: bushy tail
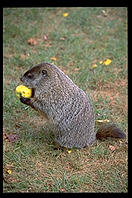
[110, 130]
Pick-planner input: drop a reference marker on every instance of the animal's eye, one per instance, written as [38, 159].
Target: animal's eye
[30, 75]
[44, 72]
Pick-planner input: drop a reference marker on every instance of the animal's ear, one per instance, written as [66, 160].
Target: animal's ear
[44, 72]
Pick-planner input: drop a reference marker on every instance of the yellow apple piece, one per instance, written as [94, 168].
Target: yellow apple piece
[24, 91]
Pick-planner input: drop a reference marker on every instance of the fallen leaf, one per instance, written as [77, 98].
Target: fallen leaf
[65, 14]
[62, 190]
[45, 38]
[12, 137]
[4, 136]
[93, 66]
[112, 148]
[9, 166]
[53, 58]
[100, 62]
[76, 69]
[63, 38]
[9, 171]
[107, 62]
[18, 125]
[32, 41]
[104, 13]
[102, 121]
[69, 151]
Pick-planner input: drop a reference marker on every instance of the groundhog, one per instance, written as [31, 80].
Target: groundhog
[66, 105]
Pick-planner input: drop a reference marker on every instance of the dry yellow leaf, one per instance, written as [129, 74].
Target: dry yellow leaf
[107, 62]
[9, 171]
[102, 121]
[53, 58]
[69, 151]
[65, 14]
[93, 66]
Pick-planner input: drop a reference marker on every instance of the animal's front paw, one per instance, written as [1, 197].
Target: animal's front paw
[26, 101]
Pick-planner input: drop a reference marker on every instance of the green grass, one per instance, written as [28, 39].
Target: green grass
[86, 36]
